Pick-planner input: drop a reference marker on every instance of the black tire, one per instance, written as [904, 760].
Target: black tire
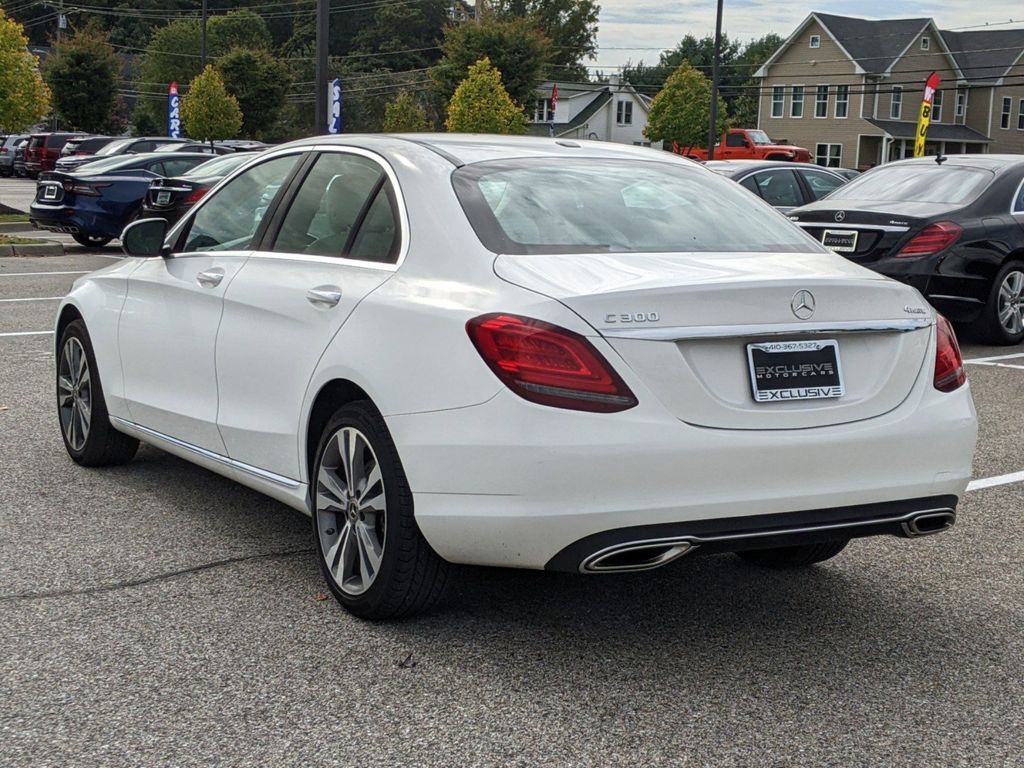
[988, 326]
[799, 556]
[90, 241]
[411, 577]
[103, 445]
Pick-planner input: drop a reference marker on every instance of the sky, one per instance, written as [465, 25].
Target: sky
[641, 29]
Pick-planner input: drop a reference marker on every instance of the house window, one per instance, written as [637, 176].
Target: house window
[1020, 116]
[1004, 118]
[937, 107]
[829, 155]
[542, 111]
[778, 100]
[896, 106]
[796, 106]
[842, 100]
[624, 113]
[961, 103]
[925, 43]
[821, 101]
[815, 41]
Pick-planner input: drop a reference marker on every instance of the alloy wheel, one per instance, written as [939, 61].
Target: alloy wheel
[1011, 302]
[74, 393]
[351, 511]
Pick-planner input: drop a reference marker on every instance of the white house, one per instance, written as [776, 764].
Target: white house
[611, 111]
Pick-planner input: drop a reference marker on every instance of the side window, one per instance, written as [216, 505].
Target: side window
[735, 140]
[178, 167]
[336, 196]
[377, 237]
[157, 168]
[779, 188]
[821, 184]
[231, 216]
[1018, 204]
[751, 183]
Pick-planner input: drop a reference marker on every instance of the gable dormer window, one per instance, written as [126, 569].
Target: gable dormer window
[925, 43]
[815, 41]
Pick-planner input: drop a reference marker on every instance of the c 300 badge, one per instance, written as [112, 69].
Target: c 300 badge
[632, 317]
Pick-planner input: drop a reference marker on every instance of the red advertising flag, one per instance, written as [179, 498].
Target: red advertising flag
[554, 101]
[925, 118]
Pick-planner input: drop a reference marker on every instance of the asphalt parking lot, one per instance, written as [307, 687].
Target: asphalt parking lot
[156, 614]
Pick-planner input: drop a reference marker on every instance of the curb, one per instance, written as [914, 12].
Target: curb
[42, 249]
[8, 227]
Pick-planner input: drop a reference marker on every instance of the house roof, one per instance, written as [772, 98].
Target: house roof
[873, 44]
[987, 54]
[902, 129]
[600, 99]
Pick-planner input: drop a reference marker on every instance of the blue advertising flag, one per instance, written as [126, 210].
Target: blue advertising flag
[173, 112]
[334, 120]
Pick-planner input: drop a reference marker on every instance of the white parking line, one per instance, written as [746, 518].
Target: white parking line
[41, 298]
[994, 365]
[988, 482]
[28, 333]
[37, 274]
[994, 357]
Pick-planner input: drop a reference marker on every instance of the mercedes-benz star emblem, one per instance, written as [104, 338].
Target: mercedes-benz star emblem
[840, 215]
[802, 304]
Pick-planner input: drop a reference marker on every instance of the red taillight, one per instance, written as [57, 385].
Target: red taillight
[949, 364]
[548, 365]
[80, 188]
[196, 195]
[932, 239]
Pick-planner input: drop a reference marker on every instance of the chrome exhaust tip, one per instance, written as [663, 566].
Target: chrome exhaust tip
[928, 523]
[636, 556]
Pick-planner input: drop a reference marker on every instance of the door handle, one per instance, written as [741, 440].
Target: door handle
[325, 296]
[210, 278]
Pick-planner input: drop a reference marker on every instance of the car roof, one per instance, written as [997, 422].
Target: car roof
[737, 167]
[463, 149]
[995, 163]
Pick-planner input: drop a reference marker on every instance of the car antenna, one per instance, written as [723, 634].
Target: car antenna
[940, 159]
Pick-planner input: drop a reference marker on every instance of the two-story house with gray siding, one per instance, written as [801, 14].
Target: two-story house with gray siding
[850, 89]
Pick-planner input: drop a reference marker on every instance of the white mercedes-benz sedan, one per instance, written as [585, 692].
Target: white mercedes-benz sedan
[518, 352]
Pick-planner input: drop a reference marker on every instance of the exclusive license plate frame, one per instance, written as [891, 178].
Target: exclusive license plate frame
[787, 371]
[850, 235]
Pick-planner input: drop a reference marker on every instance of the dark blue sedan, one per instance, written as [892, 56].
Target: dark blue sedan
[94, 204]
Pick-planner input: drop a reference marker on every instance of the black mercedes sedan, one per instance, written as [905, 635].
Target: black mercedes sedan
[172, 198]
[952, 227]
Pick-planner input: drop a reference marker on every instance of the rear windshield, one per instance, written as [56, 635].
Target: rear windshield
[115, 146]
[547, 205]
[106, 165]
[917, 183]
[221, 166]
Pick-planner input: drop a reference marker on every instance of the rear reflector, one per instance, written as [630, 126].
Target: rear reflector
[949, 364]
[932, 239]
[547, 364]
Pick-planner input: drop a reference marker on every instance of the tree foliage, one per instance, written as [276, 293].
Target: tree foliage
[681, 112]
[518, 51]
[208, 111]
[570, 25]
[82, 75]
[403, 115]
[259, 82]
[482, 105]
[24, 97]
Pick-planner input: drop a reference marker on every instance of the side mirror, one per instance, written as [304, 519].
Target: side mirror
[144, 238]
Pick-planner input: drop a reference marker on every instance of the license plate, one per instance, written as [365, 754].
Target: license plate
[50, 192]
[781, 371]
[840, 240]
[163, 198]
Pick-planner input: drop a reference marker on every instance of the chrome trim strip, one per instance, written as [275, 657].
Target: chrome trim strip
[695, 540]
[684, 332]
[262, 474]
[844, 225]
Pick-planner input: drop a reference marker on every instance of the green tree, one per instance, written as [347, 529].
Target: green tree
[82, 75]
[746, 103]
[515, 47]
[401, 36]
[403, 115]
[260, 83]
[24, 97]
[482, 105]
[237, 29]
[571, 25]
[681, 112]
[208, 111]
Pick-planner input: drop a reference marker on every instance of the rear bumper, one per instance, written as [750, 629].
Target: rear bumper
[956, 294]
[510, 483]
[62, 218]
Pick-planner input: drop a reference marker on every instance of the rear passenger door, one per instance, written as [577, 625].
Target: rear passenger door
[336, 237]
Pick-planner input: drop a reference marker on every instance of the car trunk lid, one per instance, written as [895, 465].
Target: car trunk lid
[683, 323]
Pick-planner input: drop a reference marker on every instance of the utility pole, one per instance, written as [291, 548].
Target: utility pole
[715, 75]
[320, 88]
[479, 12]
[202, 45]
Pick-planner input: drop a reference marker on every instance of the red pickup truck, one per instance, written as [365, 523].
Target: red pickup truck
[747, 144]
